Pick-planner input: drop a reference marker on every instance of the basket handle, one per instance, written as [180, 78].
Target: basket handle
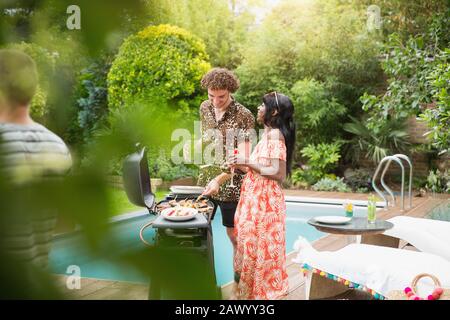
[416, 279]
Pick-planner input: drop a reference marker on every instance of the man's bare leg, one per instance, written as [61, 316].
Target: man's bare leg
[230, 233]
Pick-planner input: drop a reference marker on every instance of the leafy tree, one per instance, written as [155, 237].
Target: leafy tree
[22, 19]
[406, 17]
[317, 114]
[223, 30]
[438, 118]
[418, 77]
[322, 40]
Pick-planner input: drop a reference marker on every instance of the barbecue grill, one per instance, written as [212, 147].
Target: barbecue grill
[191, 236]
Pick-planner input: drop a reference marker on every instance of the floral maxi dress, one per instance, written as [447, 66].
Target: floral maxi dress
[260, 259]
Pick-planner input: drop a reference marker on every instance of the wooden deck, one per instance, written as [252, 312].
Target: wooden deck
[104, 289]
[96, 289]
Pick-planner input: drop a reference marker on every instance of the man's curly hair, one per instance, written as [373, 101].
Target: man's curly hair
[220, 79]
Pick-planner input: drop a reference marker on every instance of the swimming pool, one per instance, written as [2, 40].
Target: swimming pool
[441, 212]
[71, 250]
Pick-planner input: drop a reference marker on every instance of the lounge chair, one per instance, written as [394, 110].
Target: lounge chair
[376, 270]
[426, 235]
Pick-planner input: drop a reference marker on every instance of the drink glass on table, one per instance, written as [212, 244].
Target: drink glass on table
[371, 210]
[348, 206]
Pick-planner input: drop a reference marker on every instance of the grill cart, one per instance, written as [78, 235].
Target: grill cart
[191, 237]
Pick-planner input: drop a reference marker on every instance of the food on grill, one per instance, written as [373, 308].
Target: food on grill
[179, 212]
[201, 205]
[162, 206]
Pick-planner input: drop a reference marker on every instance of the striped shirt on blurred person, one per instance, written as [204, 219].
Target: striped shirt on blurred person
[29, 153]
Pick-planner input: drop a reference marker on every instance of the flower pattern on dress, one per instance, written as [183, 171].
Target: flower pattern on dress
[260, 229]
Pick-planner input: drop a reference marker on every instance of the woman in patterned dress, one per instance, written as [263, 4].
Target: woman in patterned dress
[260, 229]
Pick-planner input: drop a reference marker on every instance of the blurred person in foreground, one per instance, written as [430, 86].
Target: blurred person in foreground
[29, 152]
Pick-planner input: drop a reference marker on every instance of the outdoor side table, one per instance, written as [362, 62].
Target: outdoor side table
[358, 226]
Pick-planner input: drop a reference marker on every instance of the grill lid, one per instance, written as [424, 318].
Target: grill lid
[136, 179]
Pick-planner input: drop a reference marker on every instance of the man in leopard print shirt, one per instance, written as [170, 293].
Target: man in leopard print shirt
[226, 125]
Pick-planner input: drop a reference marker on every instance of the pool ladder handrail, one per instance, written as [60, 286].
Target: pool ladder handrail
[397, 158]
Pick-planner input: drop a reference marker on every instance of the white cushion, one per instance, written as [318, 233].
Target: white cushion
[379, 268]
[427, 235]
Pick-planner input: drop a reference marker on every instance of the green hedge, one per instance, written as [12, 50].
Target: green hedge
[160, 60]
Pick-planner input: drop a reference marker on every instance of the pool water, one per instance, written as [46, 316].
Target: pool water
[71, 249]
[442, 212]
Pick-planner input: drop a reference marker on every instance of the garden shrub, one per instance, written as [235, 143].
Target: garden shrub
[159, 164]
[331, 176]
[151, 125]
[362, 190]
[438, 181]
[302, 178]
[162, 60]
[164, 168]
[358, 179]
[90, 100]
[327, 184]
[419, 182]
[322, 158]
[374, 143]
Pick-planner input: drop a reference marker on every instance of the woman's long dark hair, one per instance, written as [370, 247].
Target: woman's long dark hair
[283, 120]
